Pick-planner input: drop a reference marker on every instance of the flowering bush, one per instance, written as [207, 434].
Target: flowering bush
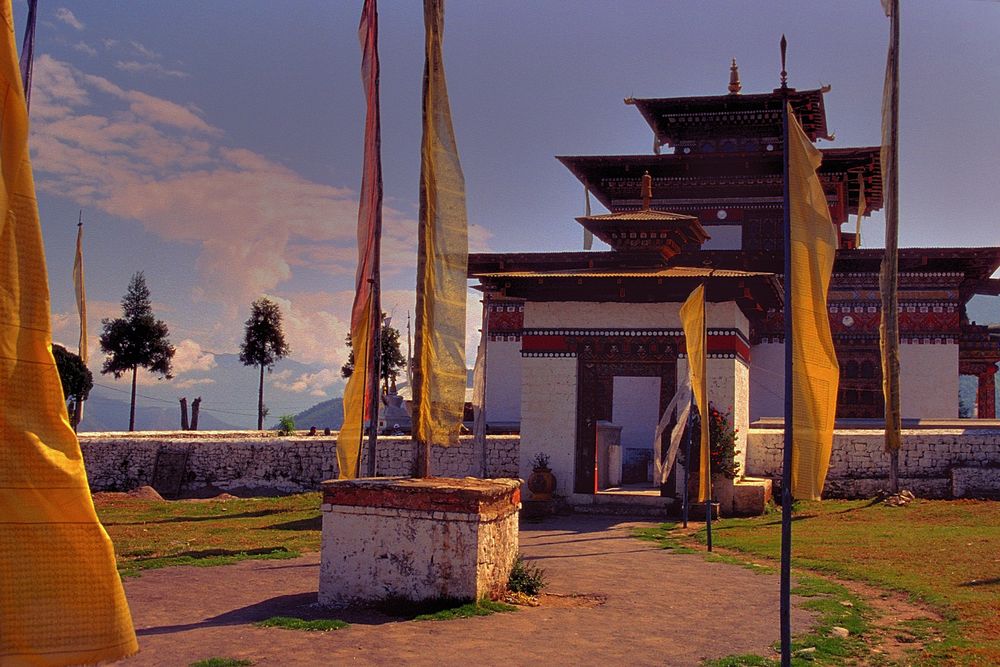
[723, 442]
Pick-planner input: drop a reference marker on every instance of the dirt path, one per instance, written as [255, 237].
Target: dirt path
[655, 608]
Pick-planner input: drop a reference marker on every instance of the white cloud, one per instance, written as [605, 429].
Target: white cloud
[189, 356]
[315, 384]
[252, 222]
[193, 382]
[83, 47]
[149, 68]
[143, 51]
[67, 17]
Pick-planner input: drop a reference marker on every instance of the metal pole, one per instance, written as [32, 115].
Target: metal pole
[786, 468]
[687, 457]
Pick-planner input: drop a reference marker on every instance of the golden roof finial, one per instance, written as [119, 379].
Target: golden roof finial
[734, 79]
[647, 190]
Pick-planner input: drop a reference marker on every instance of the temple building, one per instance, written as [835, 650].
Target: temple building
[583, 341]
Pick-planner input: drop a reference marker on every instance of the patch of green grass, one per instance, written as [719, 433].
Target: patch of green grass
[151, 534]
[222, 662]
[820, 646]
[467, 610]
[664, 536]
[289, 623]
[940, 553]
[741, 661]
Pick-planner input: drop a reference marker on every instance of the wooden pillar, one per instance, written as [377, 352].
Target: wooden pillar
[986, 396]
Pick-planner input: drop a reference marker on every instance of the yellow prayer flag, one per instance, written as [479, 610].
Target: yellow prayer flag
[693, 321]
[355, 394]
[442, 258]
[61, 601]
[815, 372]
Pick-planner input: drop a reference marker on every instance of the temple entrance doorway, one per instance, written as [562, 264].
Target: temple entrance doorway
[627, 394]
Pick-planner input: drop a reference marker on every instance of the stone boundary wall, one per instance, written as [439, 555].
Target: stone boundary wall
[185, 463]
[933, 463]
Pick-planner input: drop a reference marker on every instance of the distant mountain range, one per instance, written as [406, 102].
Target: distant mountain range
[328, 414]
[110, 414]
[228, 391]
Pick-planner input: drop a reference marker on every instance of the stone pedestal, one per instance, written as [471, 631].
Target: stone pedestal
[417, 539]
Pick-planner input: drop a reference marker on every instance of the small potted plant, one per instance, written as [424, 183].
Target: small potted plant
[541, 482]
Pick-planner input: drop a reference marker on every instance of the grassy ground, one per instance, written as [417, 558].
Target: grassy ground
[945, 553]
[151, 534]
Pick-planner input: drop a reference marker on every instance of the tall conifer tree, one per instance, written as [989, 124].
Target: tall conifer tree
[263, 344]
[136, 339]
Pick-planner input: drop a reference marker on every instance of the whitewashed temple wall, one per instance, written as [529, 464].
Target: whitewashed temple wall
[503, 381]
[548, 416]
[928, 380]
[724, 237]
[728, 383]
[610, 315]
[767, 380]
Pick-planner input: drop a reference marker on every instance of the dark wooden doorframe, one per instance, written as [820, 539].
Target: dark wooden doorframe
[595, 389]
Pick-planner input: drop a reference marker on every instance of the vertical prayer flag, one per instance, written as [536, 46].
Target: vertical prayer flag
[81, 293]
[479, 392]
[61, 601]
[361, 392]
[693, 321]
[442, 258]
[28, 51]
[888, 273]
[588, 236]
[815, 373]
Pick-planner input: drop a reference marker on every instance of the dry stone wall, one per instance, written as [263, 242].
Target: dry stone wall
[933, 463]
[179, 464]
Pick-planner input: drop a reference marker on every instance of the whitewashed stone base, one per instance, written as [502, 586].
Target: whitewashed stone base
[417, 539]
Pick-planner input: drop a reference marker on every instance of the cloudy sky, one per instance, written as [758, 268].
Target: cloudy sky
[216, 146]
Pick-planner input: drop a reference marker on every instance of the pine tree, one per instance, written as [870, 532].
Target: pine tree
[76, 379]
[390, 361]
[263, 344]
[136, 339]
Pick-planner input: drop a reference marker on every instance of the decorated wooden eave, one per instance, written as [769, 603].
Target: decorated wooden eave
[647, 230]
[708, 122]
[754, 292]
[691, 183]
[975, 266]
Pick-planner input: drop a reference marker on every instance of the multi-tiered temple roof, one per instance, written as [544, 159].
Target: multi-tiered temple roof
[713, 212]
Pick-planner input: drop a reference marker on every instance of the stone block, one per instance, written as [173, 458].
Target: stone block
[417, 539]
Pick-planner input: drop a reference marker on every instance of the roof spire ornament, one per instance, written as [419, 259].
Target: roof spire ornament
[647, 190]
[734, 79]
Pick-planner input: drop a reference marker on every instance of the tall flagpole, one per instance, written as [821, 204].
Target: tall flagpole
[786, 467]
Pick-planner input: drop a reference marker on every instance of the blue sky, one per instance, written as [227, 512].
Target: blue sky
[217, 145]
